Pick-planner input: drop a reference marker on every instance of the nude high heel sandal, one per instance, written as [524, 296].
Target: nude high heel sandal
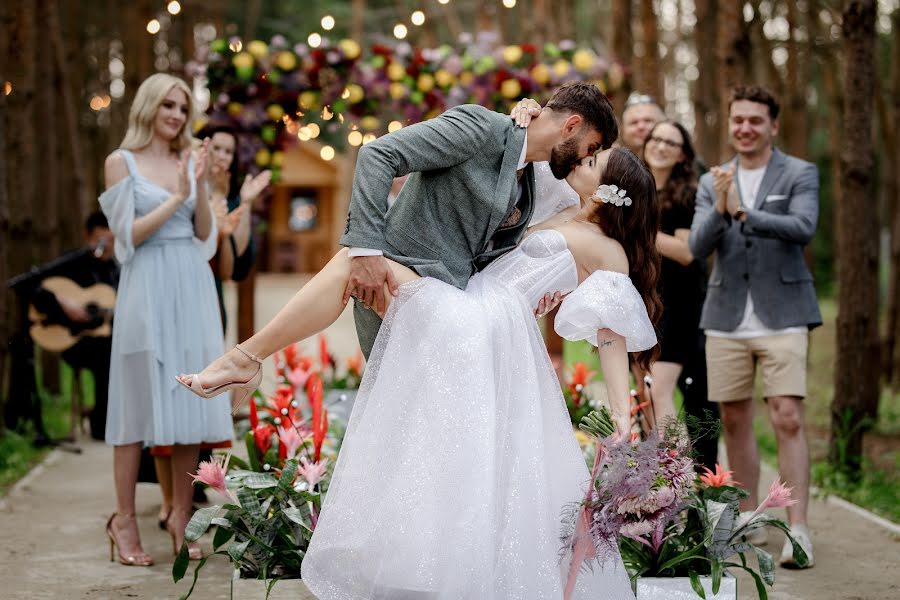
[247, 387]
[141, 560]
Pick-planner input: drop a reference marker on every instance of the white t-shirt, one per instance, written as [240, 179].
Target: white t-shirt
[750, 326]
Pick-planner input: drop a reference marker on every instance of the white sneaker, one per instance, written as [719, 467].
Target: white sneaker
[758, 536]
[801, 534]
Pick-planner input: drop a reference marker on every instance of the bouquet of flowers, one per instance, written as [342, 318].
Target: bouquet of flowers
[646, 501]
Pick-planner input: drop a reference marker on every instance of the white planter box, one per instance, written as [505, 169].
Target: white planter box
[284, 589]
[679, 588]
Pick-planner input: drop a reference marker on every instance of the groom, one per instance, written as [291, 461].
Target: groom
[469, 195]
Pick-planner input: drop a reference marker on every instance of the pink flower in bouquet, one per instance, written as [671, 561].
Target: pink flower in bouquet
[312, 472]
[212, 473]
[636, 530]
[719, 478]
[290, 441]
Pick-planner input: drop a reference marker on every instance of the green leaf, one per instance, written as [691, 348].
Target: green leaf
[692, 553]
[288, 473]
[297, 516]
[250, 503]
[271, 585]
[251, 451]
[223, 534]
[239, 463]
[766, 565]
[196, 574]
[179, 568]
[716, 577]
[199, 523]
[760, 588]
[696, 585]
[260, 481]
[237, 549]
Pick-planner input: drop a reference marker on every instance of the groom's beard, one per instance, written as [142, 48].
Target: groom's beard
[564, 157]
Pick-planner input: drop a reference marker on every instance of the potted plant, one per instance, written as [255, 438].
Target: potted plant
[275, 496]
[675, 531]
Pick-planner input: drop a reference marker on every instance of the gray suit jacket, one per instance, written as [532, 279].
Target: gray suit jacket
[764, 255]
[462, 185]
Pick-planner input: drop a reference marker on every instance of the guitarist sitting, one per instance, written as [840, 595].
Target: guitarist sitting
[96, 265]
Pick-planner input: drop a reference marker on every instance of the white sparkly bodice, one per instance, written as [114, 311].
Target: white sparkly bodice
[539, 265]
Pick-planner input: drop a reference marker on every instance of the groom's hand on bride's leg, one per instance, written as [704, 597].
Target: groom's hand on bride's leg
[369, 277]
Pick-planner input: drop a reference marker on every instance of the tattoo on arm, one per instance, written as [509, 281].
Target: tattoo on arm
[606, 343]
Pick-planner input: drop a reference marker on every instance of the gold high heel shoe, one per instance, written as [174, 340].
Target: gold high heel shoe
[248, 387]
[140, 560]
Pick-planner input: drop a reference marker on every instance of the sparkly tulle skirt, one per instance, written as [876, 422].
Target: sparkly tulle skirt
[458, 463]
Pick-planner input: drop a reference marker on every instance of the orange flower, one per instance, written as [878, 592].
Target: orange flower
[355, 364]
[282, 404]
[718, 479]
[291, 356]
[580, 377]
[324, 356]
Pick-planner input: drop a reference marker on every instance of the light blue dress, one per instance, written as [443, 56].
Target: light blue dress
[166, 322]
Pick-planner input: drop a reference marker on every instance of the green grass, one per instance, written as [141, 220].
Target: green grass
[17, 453]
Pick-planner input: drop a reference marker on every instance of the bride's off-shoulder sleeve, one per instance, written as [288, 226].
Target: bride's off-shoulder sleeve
[117, 203]
[606, 300]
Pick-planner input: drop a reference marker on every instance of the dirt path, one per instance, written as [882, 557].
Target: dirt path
[54, 547]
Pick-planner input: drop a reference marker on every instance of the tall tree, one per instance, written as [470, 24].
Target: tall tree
[622, 47]
[733, 53]
[708, 122]
[856, 384]
[651, 75]
[4, 235]
[889, 115]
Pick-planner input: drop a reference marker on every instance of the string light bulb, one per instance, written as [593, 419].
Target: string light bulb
[400, 31]
[509, 3]
[314, 40]
[174, 7]
[327, 22]
[327, 153]
[153, 27]
[355, 138]
[418, 18]
[394, 126]
[444, 1]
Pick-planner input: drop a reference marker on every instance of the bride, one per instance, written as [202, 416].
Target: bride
[459, 456]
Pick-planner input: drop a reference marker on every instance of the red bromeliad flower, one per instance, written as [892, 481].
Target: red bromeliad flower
[319, 419]
[324, 356]
[254, 416]
[720, 478]
[282, 404]
[291, 356]
[580, 376]
[262, 437]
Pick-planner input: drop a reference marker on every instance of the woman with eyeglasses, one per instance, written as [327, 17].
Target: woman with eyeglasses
[669, 154]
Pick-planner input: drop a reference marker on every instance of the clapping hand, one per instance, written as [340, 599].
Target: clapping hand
[723, 183]
[226, 222]
[525, 110]
[253, 186]
[200, 161]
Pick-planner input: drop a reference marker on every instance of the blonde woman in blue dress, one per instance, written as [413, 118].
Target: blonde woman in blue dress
[166, 311]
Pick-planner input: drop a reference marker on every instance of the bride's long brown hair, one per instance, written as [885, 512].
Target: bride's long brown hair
[635, 227]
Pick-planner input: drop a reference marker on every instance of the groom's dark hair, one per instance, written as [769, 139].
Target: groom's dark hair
[588, 101]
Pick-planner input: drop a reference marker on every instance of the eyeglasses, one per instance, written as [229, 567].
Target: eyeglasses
[635, 98]
[664, 142]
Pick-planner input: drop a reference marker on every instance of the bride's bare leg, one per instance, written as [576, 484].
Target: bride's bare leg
[313, 308]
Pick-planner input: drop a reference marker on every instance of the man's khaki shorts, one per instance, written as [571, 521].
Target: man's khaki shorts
[731, 366]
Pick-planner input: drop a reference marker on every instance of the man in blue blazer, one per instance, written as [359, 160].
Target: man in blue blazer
[755, 214]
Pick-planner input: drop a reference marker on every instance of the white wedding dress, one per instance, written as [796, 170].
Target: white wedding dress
[459, 456]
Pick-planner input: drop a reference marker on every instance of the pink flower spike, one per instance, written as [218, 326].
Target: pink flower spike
[291, 439]
[212, 473]
[312, 472]
[779, 495]
[720, 478]
[297, 377]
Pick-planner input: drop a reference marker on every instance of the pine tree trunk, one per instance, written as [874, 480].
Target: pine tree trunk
[5, 295]
[651, 71]
[622, 49]
[733, 51]
[708, 122]
[856, 385]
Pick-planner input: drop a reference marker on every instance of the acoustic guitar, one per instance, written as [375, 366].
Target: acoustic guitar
[98, 300]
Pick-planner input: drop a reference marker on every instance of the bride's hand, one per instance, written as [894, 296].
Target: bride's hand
[548, 303]
[525, 110]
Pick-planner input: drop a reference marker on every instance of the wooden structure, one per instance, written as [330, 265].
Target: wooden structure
[309, 209]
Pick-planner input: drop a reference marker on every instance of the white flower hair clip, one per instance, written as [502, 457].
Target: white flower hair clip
[611, 194]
